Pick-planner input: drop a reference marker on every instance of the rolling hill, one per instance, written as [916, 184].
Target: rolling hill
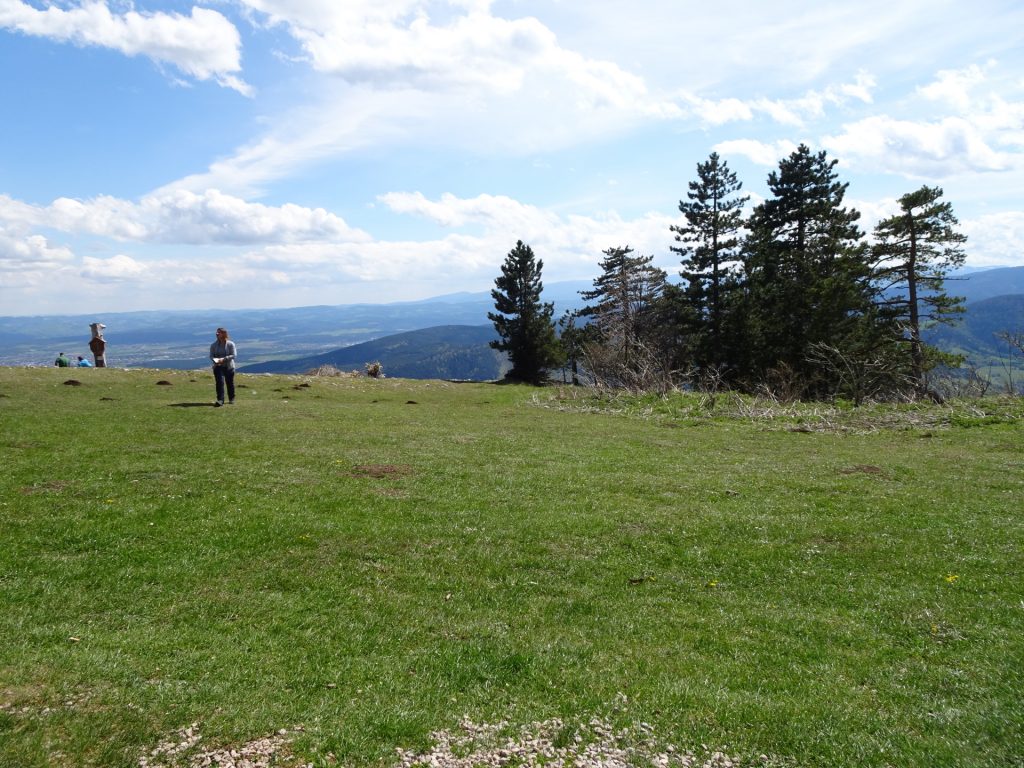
[441, 352]
[978, 333]
[979, 286]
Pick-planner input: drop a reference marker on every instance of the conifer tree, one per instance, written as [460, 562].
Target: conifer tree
[710, 251]
[524, 323]
[806, 271]
[913, 253]
[625, 293]
[623, 319]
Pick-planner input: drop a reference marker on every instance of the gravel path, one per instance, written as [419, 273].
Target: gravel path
[553, 743]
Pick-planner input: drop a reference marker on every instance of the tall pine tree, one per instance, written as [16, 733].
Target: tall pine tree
[806, 272]
[623, 320]
[710, 257]
[914, 251]
[524, 323]
[625, 293]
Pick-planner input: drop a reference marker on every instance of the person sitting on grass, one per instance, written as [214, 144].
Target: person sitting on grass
[83, 363]
[62, 361]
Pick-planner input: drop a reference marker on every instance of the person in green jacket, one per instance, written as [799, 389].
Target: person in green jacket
[62, 361]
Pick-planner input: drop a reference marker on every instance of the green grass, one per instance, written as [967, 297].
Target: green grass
[372, 560]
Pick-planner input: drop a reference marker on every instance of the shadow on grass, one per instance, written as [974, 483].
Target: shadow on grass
[190, 405]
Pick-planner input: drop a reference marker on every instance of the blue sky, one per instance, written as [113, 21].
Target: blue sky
[275, 153]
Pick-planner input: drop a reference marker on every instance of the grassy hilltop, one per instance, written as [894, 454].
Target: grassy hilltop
[362, 562]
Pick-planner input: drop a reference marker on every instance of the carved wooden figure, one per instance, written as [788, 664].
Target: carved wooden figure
[98, 344]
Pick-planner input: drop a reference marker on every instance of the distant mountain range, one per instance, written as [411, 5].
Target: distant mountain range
[442, 337]
[441, 352]
[181, 338]
[977, 335]
[987, 284]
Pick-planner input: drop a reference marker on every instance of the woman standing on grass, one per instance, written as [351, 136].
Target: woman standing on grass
[222, 353]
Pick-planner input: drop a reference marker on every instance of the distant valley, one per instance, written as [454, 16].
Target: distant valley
[442, 337]
[440, 352]
[180, 338]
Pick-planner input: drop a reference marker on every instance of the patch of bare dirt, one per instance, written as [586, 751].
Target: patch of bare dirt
[379, 471]
[51, 486]
[867, 469]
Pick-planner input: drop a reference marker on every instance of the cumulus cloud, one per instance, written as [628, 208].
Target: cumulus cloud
[995, 240]
[565, 243]
[186, 217]
[30, 253]
[794, 112]
[181, 216]
[203, 45]
[921, 149]
[968, 126]
[115, 269]
[483, 229]
[954, 86]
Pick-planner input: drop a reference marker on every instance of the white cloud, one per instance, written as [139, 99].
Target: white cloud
[995, 240]
[566, 244]
[983, 96]
[203, 45]
[181, 216]
[30, 253]
[17, 216]
[720, 111]
[963, 123]
[214, 217]
[873, 211]
[793, 112]
[925, 150]
[757, 152]
[954, 87]
[444, 46]
[490, 211]
[115, 269]
[104, 215]
[457, 75]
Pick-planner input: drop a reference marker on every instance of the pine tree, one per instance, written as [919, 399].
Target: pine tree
[710, 251]
[623, 319]
[806, 271]
[914, 251]
[625, 292]
[523, 323]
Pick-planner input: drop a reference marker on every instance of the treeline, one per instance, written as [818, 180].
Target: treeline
[790, 297]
